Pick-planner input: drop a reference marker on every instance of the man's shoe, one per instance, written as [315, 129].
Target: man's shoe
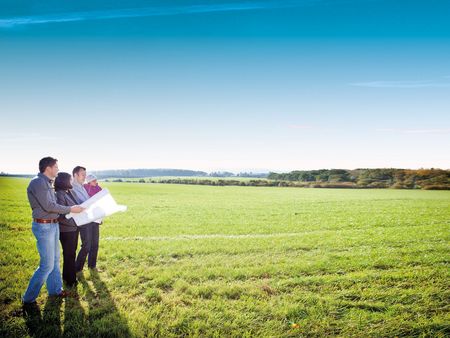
[62, 294]
[66, 294]
[28, 303]
[30, 308]
[95, 269]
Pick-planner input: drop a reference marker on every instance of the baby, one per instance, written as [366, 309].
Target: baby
[91, 185]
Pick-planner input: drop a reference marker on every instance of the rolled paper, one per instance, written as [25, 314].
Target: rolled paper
[97, 207]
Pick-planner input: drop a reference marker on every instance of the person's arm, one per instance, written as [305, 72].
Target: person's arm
[61, 198]
[42, 194]
[76, 209]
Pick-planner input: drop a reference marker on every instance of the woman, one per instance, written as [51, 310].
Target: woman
[67, 228]
[91, 185]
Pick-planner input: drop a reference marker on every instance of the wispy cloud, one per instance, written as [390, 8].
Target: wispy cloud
[402, 84]
[299, 126]
[151, 11]
[416, 131]
[21, 137]
[25, 140]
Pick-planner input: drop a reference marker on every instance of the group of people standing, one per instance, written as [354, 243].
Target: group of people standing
[52, 195]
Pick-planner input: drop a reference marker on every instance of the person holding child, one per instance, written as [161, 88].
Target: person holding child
[89, 233]
[91, 185]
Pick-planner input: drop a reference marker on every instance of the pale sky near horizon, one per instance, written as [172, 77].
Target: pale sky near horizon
[225, 85]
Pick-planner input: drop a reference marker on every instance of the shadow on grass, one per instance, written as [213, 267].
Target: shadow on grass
[49, 323]
[101, 319]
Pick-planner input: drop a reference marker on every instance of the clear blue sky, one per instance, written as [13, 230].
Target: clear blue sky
[225, 85]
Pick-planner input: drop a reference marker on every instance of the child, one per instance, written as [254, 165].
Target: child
[92, 186]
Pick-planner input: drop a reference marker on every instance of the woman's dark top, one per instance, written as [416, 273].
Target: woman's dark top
[66, 198]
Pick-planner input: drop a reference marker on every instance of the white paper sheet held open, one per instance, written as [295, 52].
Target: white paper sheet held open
[100, 205]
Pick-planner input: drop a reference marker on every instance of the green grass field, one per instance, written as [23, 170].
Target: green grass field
[244, 262]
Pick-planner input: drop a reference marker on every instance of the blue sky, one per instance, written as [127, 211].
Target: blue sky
[225, 85]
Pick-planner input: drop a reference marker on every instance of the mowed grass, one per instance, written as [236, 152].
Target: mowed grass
[244, 262]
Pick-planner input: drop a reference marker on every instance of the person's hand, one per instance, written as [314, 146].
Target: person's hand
[76, 209]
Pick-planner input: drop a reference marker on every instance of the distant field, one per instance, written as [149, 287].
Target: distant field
[212, 261]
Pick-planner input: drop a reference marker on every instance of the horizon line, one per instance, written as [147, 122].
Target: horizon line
[3, 173]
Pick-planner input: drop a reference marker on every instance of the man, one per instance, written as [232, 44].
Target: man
[45, 227]
[90, 232]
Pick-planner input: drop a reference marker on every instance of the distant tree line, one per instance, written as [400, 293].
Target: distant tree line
[370, 178]
[427, 179]
[137, 173]
[241, 174]
[15, 175]
[219, 182]
[254, 175]
[221, 174]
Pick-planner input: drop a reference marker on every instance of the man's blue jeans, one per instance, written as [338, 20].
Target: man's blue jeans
[47, 236]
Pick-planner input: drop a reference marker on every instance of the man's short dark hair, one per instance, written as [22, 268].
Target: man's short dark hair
[46, 162]
[77, 169]
[62, 182]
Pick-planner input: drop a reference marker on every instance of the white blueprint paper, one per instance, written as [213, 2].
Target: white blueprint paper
[100, 205]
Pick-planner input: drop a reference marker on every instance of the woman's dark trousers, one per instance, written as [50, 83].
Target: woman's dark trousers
[69, 242]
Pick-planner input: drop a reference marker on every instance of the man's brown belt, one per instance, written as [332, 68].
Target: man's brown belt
[38, 220]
